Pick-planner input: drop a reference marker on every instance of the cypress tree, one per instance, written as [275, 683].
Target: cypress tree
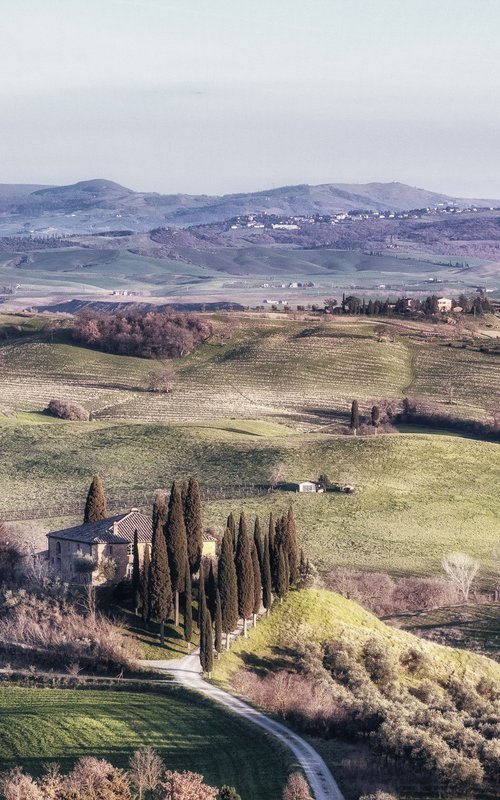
[160, 587]
[95, 504]
[207, 645]
[188, 609]
[302, 566]
[184, 491]
[354, 424]
[136, 574]
[257, 584]
[375, 417]
[211, 590]
[193, 523]
[231, 524]
[202, 599]
[228, 586]
[218, 624]
[274, 540]
[145, 586]
[257, 537]
[287, 539]
[282, 583]
[175, 535]
[267, 597]
[159, 516]
[244, 573]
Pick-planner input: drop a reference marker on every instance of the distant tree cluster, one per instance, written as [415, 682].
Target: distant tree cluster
[429, 306]
[154, 334]
[96, 779]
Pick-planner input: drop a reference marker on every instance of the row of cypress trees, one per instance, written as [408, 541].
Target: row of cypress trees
[176, 550]
[250, 570]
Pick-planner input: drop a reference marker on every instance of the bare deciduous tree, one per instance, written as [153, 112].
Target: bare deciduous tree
[146, 769]
[276, 475]
[461, 570]
[162, 380]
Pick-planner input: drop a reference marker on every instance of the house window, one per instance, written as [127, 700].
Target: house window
[130, 550]
[58, 548]
[110, 549]
[129, 570]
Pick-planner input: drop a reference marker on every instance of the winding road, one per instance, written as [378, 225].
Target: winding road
[187, 672]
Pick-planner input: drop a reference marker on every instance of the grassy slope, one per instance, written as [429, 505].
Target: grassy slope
[417, 497]
[316, 615]
[40, 725]
[271, 369]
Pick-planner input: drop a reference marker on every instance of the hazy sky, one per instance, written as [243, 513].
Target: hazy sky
[218, 96]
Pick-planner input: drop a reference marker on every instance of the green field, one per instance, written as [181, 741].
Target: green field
[41, 725]
[418, 496]
[235, 273]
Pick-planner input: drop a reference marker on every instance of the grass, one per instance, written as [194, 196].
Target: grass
[418, 496]
[40, 725]
[148, 638]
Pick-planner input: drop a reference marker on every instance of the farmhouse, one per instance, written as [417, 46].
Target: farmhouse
[103, 552]
[444, 304]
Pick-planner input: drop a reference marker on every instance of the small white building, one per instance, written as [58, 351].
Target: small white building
[308, 486]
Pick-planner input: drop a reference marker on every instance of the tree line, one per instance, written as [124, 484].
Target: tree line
[414, 306]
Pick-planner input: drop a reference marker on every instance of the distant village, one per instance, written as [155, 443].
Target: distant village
[269, 221]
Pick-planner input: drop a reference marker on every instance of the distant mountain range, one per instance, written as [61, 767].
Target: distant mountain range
[100, 205]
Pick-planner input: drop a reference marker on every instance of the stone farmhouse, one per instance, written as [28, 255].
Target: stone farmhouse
[90, 553]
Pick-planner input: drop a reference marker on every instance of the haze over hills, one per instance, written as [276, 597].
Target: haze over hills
[100, 204]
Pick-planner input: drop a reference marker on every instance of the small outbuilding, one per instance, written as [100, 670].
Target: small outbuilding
[309, 486]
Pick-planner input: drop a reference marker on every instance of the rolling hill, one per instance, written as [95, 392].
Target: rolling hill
[100, 204]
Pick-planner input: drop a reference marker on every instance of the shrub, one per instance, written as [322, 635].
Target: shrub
[59, 633]
[378, 662]
[296, 788]
[384, 596]
[67, 409]
[378, 795]
[415, 660]
[84, 564]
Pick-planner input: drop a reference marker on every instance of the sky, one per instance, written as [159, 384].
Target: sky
[218, 96]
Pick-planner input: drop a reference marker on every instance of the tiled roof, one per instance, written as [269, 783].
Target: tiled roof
[208, 537]
[115, 530]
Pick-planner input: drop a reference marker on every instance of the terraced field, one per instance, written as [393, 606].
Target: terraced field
[275, 370]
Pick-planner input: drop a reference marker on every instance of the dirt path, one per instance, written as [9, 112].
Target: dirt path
[187, 672]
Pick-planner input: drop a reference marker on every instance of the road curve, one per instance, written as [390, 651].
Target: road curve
[187, 672]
